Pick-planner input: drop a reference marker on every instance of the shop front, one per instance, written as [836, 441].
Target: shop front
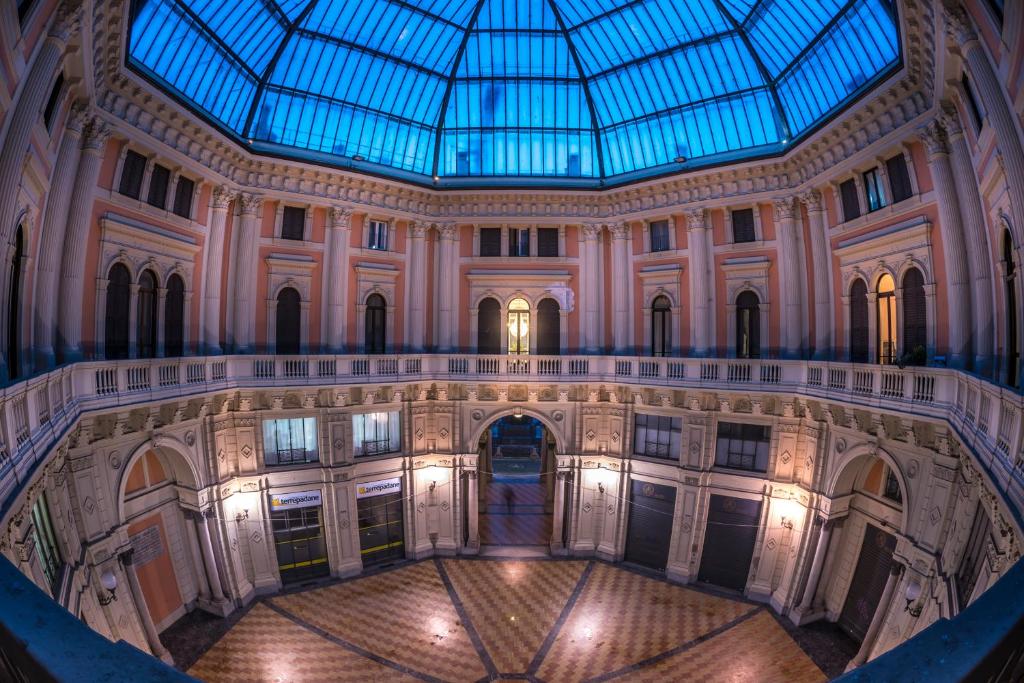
[381, 527]
[298, 524]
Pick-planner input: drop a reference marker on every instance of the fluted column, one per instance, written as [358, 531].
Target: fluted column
[24, 115]
[620, 290]
[591, 292]
[206, 545]
[876, 621]
[139, 598]
[51, 238]
[824, 318]
[793, 326]
[700, 281]
[979, 257]
[246, 268]
[473, 511]
[339, 225]
[417, 287]
[954, 249]
[1000, 117]
[214, 267]
[448, 287]
[76, 236]
[811, 589]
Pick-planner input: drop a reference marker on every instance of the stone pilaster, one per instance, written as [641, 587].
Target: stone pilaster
[591, 293]
[246, 267]
[620, 277]
[701, 284]
[794, 327]
[824, 317]
[416, 286]
[214, 267]
[336, 278]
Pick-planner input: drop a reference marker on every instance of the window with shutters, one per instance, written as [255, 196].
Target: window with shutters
[973, 106]
[661, 326]
[174, 317]
[488, 335]
[915, 318]
[974, 555]
[743, 446]
[858, 322]
[183, 193]
[115, 339]
[376, 324]
[549, 327]
[850, 200]
[874, 189]
[886, 303]
[376, 433]
[518, 241]
[660, 240]
[291, 441]
[53, 101]
[132, 170]
[547, 241]
[657, 436]
[159, 179]
[289, 321]
[293, 223]
[743, 226]
[899, 178]
[145, 331]
[748, 325]
[377, 235]
[490, 241]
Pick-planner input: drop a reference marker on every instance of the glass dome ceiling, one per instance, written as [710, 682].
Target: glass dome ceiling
[486, 92]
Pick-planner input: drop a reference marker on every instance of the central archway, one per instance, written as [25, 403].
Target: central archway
[517, 482]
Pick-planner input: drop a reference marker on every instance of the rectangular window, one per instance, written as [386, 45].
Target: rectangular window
[899, 178]
[998, 8]
[851, 203]
[131, 174]
[875, 189]
[518, 241]
[290, 441]
[46, 541]
[657, 436]
[293, 223]
[974, 554]
[23, 7]
[490, 241]
[892, 487]
[53, 101]
[158, 182]
[183, 197]
[376, 433]
[972, 102]
[743, 226]
[659, 236]
[743, 446]
[547, 241]
[377, 237]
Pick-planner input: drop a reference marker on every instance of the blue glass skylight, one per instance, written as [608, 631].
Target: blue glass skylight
[501, 91]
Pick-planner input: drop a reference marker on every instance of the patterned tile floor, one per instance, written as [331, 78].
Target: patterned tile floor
[477, 620]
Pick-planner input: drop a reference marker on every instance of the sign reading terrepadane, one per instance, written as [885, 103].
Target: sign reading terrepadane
[288, 501]
[378, 488]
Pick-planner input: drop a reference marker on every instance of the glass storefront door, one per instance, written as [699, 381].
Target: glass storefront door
[299, 541]
[381, 531]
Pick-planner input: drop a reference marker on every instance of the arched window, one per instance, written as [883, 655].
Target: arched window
[886, 320]
[174, 317]
[14, 307]
[119, 294]
[1012, 333]
[376, 323]
[549, 328]
[858, 322]
[289, 321]
[518, 327]
[748, 325]
[915, 318]
[146, 320]
[488, 329]
[661, 326]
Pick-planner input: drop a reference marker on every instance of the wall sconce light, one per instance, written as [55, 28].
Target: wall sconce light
[787, 524]
[433, 485]
[108, 579]
[600, 486]
[912, 595]
[241, 516]
[517, 412]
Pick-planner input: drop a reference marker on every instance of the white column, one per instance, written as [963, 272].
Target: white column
[824, 316]
[979, 258]
[152, 637]
[793, 327]
[336, 279]
[214, 270]
[416, 286]
[878, 618]
[51, 238]
[246, 268]
[206, 545]
[811, 589]
[72, 270]
[621, 275]
[448, 291]
[472, 511]
[700, 281]
[954, 249]
[986, 83]
[590, 293]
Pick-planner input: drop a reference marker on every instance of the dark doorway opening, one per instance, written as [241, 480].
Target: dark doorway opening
[729, 541]
[650, 524]
[868, 582]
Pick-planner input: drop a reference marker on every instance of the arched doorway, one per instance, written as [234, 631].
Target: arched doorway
[517, 479]
[289, 321]
[488, 334]
[549, 328]
[915, 319]
[518, 327]
[174, 317]
[886, 312]
[376, 324]
[146, 320]
[661, 326]
[14, 307]
[859, 322]
[1012, 307]
[748, 325]
[119, 292]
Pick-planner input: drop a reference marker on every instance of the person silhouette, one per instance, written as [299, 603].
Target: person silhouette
[510, 498]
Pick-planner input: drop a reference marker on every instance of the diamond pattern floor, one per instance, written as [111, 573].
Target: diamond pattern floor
[473, 620]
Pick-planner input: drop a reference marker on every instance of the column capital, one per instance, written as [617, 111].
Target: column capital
[250, 203]
[221, 197]
[950, 119]
[448, 231]
[812, 199]
[67, 21]
[619, 231]
[341, 217]
[958, 23]
[78, 116]
[934, 139]
[785, 208]
[696, 219]
[418, 229]
[97, 133]
[592, 231]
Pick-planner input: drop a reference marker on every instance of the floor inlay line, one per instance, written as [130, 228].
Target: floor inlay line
[538, 659]
[351, 647]
[467, 623]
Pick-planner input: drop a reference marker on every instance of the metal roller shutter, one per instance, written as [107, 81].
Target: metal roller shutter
[729, 541]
